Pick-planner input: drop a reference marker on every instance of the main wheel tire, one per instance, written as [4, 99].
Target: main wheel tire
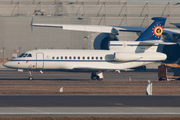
[93, 77]
[100, 79]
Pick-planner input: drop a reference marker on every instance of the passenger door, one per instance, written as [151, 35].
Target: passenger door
[39, 60]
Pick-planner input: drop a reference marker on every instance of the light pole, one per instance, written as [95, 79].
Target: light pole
[20, 50]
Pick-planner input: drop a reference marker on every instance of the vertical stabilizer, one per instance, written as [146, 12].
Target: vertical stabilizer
[154, 31]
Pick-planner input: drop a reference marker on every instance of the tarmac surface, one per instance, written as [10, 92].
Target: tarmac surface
[86, 105]
[78, 76]
[89, 112]
[88, 101]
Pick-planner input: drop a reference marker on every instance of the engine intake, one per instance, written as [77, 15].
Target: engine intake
[102, 41]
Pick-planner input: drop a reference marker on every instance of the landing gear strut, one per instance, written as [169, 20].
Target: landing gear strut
[97, 76]
[30, 75]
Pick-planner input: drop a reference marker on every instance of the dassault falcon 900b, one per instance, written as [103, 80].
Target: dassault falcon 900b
[120, 56]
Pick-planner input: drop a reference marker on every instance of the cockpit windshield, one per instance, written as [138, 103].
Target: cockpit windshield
[25, 55]
[21, 55]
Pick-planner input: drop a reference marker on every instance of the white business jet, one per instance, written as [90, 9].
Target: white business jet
[121, 55]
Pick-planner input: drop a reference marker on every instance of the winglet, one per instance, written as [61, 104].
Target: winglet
[154, 31]
[31, 24]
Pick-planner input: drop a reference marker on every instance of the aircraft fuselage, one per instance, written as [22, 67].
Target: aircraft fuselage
[77, 60]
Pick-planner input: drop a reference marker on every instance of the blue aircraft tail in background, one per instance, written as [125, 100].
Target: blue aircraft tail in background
[154, 31]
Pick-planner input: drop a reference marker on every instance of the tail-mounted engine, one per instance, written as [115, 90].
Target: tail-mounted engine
[124, 57]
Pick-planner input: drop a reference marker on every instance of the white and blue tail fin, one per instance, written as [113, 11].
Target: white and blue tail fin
[147, 42]
[154, 31]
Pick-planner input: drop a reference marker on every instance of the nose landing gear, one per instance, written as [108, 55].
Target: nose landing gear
[30, 75]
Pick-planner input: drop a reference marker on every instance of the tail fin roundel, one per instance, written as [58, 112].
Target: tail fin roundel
[154, 31]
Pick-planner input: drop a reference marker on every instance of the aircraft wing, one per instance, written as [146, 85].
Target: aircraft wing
[103, 29]
[92, 28]
[88, 28]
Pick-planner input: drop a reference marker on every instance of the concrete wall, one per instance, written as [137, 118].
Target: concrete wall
[15, 17]
[16, 34]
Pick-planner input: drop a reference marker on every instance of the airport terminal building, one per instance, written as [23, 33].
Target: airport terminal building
[17, 37]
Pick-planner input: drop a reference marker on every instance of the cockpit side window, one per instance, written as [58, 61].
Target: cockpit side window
[29, 55]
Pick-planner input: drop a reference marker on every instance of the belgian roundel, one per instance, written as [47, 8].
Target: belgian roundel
[158, 30]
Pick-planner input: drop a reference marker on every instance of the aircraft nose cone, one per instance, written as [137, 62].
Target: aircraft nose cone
[5, 64]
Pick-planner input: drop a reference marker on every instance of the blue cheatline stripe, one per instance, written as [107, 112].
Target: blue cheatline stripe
[140, 45]
[64, 60]
[87, 60]
[131, 45]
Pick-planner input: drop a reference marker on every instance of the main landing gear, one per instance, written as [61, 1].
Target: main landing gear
[97, 76]
[30, 75]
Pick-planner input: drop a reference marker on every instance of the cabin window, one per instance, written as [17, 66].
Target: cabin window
[61, 57]
[65, 57]
[101, 58]
[96, 58]
[88, 58]
[70, 57]
[74, 57]
[83, 58]
[92, 58]
[21, 55]
[78, 57]
[57, 58]
[29, 55]
[53, 57]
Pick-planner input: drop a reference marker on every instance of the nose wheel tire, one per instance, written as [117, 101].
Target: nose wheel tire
[30, 75]
[30, 78]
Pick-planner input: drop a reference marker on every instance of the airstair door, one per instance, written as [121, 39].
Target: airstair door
[40, 60]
